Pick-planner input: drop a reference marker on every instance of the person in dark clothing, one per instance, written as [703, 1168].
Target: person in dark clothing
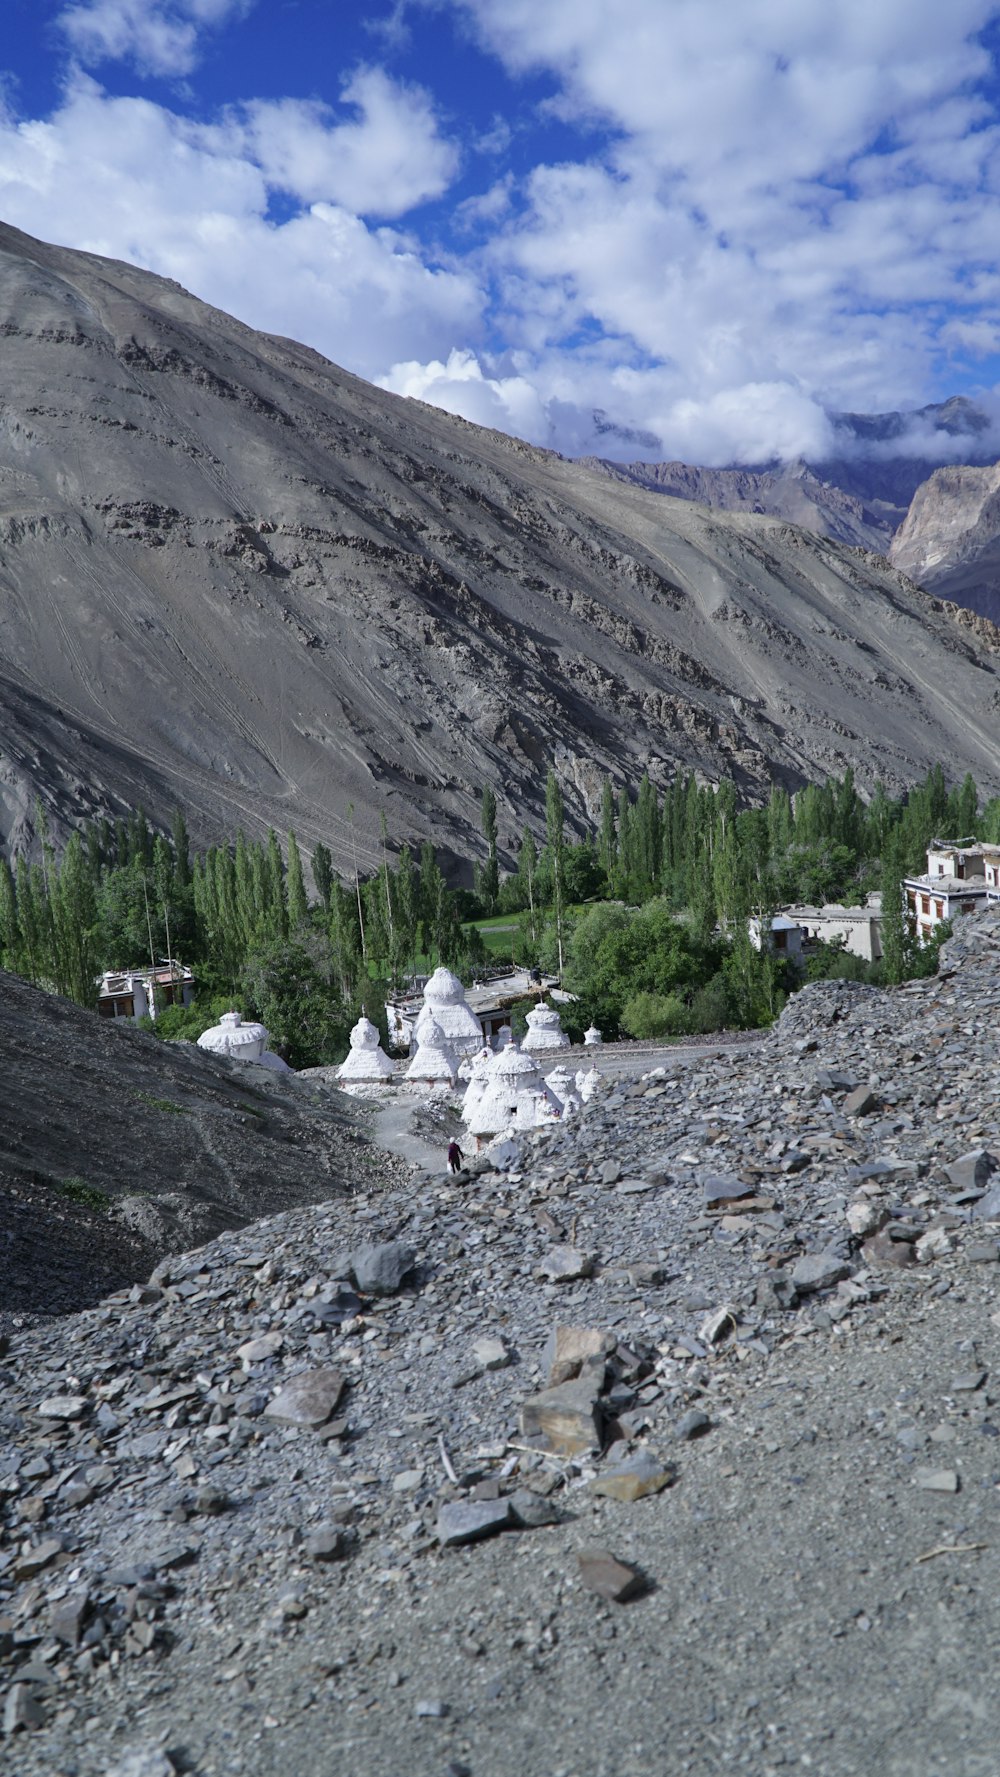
[454, 1157]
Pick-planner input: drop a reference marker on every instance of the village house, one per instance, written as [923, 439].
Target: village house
[954, 883]
[859, 929]
[141, 993]
[784, 937]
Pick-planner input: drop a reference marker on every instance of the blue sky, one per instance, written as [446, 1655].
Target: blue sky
[668, 229]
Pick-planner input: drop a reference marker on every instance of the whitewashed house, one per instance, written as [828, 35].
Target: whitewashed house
[954, 884]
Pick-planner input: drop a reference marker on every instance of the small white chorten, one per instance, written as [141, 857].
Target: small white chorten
[241, 1042]
[592, 1037]
[588, 1083]
[544, 1030]
[507, 1078]
[367, 1064]
[477, 1068]
[433, 1062]
[562, 1085]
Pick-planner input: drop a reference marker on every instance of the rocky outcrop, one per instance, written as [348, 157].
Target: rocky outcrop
[950, 539]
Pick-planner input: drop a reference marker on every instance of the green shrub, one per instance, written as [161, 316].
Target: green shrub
[655, 1015]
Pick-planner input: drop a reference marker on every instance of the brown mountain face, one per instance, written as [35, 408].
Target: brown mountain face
[950, 539]
[236, 578]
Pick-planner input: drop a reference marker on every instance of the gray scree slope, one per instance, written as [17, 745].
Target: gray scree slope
[226, 1500]
[234, 577]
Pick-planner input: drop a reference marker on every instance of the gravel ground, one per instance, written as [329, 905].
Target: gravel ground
[788, 1262]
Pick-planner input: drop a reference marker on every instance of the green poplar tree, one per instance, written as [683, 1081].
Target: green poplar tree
[298, 906]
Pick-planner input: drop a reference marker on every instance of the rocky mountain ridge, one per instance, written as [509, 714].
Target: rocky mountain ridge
[652, 1450]
[237, 579]
[950, 538]
[937, 524]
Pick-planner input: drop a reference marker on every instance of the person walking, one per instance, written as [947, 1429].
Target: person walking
[454, 1157]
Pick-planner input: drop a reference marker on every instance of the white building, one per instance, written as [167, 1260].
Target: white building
[955, 883]
[141, 993]
[433, 1062]
[858, 928]
[784, 938]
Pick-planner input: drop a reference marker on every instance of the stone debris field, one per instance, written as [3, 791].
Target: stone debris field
[672, 1447]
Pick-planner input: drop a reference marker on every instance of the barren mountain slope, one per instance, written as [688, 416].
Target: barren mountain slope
[950, 540]
[116, 1148]
[792, 491]
[235, 577]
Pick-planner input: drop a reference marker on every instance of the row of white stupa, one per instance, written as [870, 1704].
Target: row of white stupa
[503, 1090]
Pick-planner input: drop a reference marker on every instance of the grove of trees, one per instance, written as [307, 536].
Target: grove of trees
[645, 916]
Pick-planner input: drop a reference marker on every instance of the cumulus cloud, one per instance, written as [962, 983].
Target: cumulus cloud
[133, 180]
[507, 403]
[382, 163]
[746, 227]
[798, 212]
[157, 36]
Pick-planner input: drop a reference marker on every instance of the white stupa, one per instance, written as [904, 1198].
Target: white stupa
[508, 1078]
[544, 1030]
[241, 1042]
[562, 1085]
[446, 1006]
[474, 1064]
[367, 1063]
[592, 1037]
[433, 1063]
[589, 1082]
[477, 1067]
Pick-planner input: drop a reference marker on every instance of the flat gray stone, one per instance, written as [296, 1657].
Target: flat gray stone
[378, 1268]
[859, 1102]
[471, 1520]
[972, 1171]
[62, 1406]
[692, 1424]
[309, 1399]
[567, 1264]
[936, 1480]
[818, 1271]
[724, 1188]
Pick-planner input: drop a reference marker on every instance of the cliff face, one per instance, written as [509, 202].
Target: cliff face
[235, 578]
[950, 539]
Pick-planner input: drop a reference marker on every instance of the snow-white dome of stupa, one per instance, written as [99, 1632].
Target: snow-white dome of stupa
[446, 1006]
[433, 1061]
[544, 1030]
[562, 1085]
[534, 1109]
[477, 1067]
[592, 1037]
[241, 1042]
[473, 1064]
[367, 1063]
[589, 1082]
[507, 1078]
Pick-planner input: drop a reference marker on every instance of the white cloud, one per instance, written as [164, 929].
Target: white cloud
[382, 163]
[803, 207]
[157, 36]
[508, 403]
[132, 180]
[796, 209]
